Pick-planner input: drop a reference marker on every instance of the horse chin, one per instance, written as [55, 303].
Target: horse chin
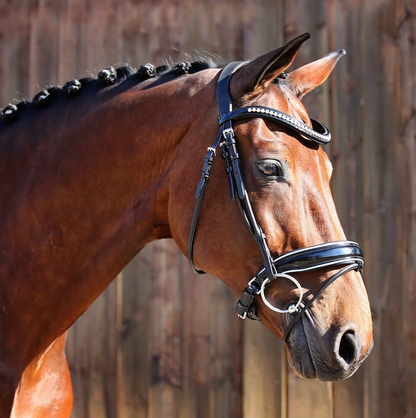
[298, 353]
[310, 359]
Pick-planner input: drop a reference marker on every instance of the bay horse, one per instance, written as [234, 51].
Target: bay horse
[92, 172]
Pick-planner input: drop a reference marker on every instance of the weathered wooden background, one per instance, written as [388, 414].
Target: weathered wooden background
[163, 343]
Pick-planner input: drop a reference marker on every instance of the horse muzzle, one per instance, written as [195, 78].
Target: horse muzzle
[326, 344]
[334, 356]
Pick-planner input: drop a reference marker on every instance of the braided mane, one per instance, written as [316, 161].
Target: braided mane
[107, 77]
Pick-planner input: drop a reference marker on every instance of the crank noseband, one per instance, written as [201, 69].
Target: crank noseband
[345, 255]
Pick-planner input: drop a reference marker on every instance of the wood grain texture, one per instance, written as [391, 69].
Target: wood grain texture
[346, 152]
[135, 367]
[265, 379]
[407, 139]
[154, 344]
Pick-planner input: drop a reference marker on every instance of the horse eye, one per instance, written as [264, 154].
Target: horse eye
[270, 168]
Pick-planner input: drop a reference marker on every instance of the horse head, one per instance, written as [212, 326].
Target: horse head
[280, 176]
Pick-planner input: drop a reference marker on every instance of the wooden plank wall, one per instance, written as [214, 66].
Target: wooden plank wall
[154, 344]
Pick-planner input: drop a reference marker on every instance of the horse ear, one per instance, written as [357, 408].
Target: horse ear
[257, 74]
[310, 76]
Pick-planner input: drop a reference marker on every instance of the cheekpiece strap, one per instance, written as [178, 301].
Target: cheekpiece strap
[224, 102]
[224, 99]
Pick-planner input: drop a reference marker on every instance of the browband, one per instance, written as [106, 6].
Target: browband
[319, 133]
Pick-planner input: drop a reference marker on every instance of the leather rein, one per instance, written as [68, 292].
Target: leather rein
[346, 255]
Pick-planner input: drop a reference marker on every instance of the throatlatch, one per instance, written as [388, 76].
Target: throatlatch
[346, 255]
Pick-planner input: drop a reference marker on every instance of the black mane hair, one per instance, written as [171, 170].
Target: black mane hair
[108, 77]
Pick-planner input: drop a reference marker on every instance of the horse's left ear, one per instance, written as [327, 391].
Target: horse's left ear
[310, 76]
[254, 77]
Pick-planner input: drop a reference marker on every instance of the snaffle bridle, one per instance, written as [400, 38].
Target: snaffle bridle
[345, 254]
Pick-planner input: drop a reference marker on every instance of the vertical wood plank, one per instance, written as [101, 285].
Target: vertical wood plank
[347, 89]
[198, 400]
[407, 243]
[309, 398]
[212, 349]
[264, 375]
[381, 180]
[103, 393]
[135, 372]
[227, 359]
[165, 330]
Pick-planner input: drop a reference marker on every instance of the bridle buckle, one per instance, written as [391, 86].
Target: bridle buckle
[244, 316]
[213, 150]
[250, 284]
[227, 131]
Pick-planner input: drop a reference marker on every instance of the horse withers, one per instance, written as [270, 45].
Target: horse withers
[94, 171]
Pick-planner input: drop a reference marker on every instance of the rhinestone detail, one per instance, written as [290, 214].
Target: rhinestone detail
[302, 127]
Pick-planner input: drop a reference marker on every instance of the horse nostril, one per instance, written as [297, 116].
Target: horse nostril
[348, 349]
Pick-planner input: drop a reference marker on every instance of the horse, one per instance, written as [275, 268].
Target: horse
[93, 171]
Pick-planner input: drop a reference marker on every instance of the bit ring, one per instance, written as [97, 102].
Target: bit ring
[293, 307]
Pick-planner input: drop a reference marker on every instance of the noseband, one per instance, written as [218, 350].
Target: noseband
[346, 255]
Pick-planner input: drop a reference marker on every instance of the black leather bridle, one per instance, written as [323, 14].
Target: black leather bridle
[346, 255]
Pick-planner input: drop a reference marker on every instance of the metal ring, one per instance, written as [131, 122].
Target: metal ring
[292, 308]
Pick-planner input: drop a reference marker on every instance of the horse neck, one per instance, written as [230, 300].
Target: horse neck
[94, 189]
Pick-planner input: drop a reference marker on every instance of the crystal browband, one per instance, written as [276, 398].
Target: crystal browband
[319, 133]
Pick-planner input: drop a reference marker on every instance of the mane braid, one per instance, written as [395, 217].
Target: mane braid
[108, 77]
